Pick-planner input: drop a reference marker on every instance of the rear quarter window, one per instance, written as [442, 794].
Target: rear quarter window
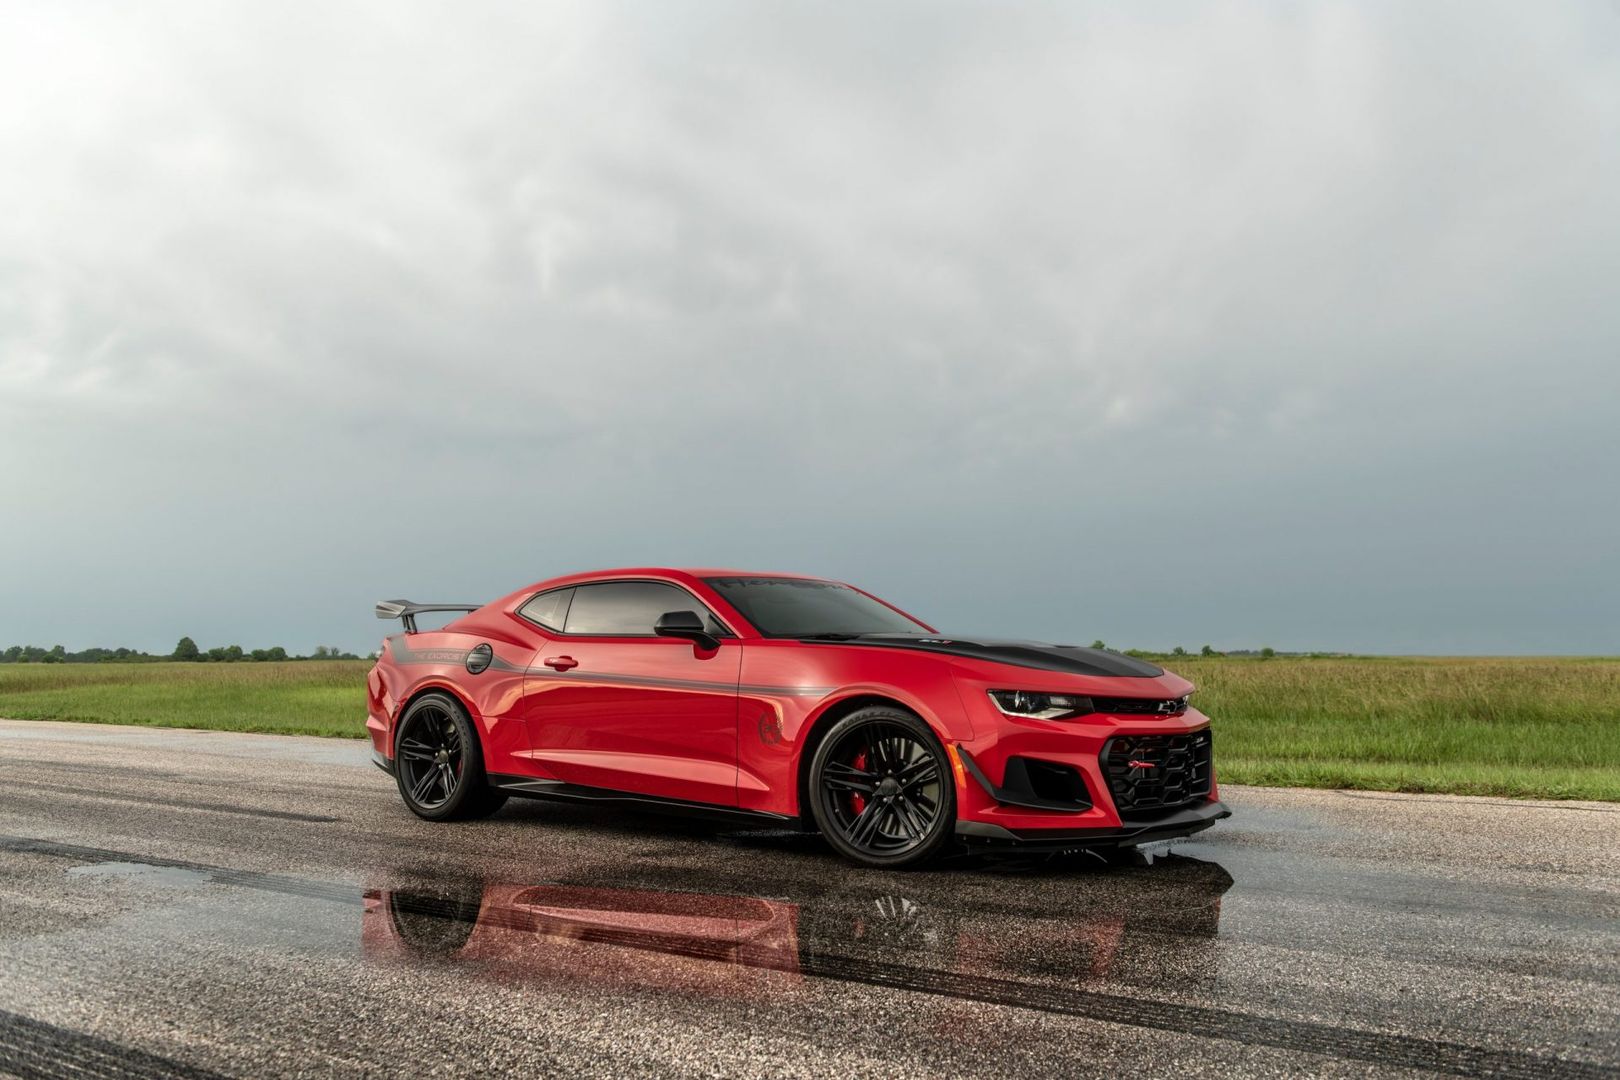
[549, 609]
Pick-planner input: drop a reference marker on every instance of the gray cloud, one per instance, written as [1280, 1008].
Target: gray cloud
[1258, 323]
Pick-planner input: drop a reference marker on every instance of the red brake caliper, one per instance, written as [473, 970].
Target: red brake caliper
[857, 801]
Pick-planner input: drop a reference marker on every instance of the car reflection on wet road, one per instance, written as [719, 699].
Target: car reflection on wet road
[515, 933]
[198, 905]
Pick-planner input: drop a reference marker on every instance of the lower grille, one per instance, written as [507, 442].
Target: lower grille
[1152, 775]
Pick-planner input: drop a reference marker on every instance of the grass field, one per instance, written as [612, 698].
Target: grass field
[310, 697]
[1545, 728]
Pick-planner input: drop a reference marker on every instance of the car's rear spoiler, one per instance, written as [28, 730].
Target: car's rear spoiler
[407, 610]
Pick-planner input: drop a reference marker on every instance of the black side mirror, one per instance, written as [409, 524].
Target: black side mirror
[687, 625]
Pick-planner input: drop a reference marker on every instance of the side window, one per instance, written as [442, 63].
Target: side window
[627, 608]
[549, 609]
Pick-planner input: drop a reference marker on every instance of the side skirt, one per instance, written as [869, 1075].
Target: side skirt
[529, 787]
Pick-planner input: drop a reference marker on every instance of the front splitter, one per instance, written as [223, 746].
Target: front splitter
[1170, 827]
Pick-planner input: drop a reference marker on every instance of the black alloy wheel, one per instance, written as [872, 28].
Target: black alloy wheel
[881, 788]
[439, 763]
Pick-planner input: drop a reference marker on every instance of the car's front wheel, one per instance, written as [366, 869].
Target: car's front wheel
[881, 790]
[439, 763]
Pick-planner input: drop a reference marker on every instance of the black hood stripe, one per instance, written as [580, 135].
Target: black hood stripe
[1069, 659]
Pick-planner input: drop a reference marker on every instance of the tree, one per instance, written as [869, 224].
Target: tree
[187, 650]
[1207, 650]
[1098, 644]
[275, 652]
[233, 653]
[1267, 653]
[1178, 651]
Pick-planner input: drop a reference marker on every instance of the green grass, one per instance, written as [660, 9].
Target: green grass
[1543, 728]
[313, 697]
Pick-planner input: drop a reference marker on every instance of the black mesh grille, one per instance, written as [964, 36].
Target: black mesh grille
[1137, 706]
[1150, 775]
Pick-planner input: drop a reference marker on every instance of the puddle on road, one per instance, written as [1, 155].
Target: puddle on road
[1152, 923]
[1082, 924]
[1119, 945]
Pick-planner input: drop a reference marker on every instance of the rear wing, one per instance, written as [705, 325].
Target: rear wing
[407, 610]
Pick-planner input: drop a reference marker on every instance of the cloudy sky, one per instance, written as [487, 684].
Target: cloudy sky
[1289, 324]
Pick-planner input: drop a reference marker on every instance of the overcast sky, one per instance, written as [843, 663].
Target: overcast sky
[1288, 324]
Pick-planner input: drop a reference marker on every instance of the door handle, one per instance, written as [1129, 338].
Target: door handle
[561, 663]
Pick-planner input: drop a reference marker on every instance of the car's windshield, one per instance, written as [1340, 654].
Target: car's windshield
[796, 607]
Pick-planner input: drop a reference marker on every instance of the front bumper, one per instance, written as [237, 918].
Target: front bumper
[1172, 826]
[1024, 781]
[995, 785]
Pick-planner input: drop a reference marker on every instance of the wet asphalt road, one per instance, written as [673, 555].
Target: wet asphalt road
[197, 904]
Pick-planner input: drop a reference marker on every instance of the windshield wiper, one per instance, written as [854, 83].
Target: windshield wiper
[829, 637]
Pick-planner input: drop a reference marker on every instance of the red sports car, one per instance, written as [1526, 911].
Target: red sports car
[785, 700]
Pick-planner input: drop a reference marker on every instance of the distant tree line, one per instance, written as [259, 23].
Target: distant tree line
[1265, 652]
[186, 650]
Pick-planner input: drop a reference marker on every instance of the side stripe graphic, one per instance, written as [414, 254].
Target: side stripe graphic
[403, 654]
[680, 684]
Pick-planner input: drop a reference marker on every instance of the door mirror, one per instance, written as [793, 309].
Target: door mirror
[687, 625]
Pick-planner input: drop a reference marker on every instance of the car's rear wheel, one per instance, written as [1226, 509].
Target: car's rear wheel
[439, 764]
[881, 790]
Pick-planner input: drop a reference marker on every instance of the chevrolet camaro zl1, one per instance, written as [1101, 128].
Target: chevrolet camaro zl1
[785, 700]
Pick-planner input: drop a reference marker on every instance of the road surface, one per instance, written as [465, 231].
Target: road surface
[201, 904]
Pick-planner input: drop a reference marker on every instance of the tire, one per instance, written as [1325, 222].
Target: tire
[439, 762]
[881, 790]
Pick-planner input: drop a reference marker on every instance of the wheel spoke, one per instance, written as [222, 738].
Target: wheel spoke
[843, 777]
[861, 830]
[424, 784]
[873, 756]
[897, 753]
[907, 752]
[880, 754]
[925, 771]
[415, 750]
[916, 827]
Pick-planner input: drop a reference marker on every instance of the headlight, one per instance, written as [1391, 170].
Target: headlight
[1040, 706]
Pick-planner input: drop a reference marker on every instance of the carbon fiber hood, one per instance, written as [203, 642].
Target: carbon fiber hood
[1072, 659]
